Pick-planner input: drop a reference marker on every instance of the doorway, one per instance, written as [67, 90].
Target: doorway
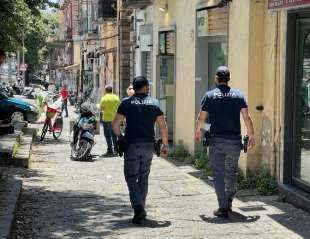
[301, 108]
[166, 79]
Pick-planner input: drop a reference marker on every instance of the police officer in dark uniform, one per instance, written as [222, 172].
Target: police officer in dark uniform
[223, 106]
[140, 112]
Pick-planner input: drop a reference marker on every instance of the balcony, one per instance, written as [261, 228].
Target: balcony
[86, 28]
[68, 33]
[134, 4]
[107, 10]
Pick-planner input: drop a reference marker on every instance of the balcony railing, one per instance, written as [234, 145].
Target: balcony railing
[134, 4]
[107, 9]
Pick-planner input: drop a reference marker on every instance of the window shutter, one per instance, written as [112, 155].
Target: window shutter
[217, 21]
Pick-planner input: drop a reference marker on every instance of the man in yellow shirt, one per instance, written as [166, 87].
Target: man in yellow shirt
[109, 104]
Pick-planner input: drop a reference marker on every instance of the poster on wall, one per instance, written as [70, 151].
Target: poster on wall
[145, 42]
[202, 23]
[162, 43]
[278, 4]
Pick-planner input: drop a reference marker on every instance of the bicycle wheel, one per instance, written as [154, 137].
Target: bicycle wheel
[44, 130]
[57, 132]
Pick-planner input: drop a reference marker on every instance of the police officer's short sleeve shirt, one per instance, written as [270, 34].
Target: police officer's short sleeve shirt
[141, 112]
[223, 105]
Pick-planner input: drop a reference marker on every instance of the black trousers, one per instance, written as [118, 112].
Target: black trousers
[65, 107]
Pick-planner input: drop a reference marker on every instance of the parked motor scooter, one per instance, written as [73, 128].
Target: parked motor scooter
[7, 89]
[29, 92]
[83, 135]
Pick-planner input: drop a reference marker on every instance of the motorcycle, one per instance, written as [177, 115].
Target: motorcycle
[7, 90]
[83, 135]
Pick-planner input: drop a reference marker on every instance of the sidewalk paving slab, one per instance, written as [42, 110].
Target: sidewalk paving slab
[68, 199]
[10, 190]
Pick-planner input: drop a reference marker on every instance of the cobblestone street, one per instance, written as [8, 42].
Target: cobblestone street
[66, 199]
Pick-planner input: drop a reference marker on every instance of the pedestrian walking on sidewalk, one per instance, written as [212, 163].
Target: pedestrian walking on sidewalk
[109, 104]
[223, 105]
[64, 97]
[141, 112]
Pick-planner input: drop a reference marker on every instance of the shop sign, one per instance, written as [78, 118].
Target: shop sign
[277, 4]
[146, 37]
[167, 43]
[162, 43]
[202, 23]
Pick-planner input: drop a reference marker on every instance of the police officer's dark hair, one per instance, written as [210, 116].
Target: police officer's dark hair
[223, 74]
[136, 89]
[2, 53]
[222, 80]
[139, 82]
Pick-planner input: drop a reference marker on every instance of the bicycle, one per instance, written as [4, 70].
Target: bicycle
[55, 127]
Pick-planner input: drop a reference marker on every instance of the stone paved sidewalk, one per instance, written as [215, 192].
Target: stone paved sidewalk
[66, 199]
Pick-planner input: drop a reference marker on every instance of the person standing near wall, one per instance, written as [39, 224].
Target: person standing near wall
[224, 104]
[109, 104]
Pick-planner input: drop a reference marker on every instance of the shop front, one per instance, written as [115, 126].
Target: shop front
[296, 155]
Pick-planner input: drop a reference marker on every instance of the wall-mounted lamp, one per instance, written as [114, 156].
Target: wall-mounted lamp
[164, 8]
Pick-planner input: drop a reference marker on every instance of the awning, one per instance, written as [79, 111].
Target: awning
[72, 67]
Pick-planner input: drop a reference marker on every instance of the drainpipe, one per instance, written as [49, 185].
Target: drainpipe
[275, 162]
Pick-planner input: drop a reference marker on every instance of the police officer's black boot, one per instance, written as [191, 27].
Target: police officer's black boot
[140, 214]
[221, 212]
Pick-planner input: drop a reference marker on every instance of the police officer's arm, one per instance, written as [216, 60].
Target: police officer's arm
[249, 125]
[116, 124]
[199, 123]
[161, 122]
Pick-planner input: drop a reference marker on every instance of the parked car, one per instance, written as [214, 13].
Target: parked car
[17, 109]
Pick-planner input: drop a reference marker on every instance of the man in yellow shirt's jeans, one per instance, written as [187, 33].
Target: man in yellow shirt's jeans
[109, 104]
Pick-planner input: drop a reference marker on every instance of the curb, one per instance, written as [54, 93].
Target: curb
[10, 190]
[23, 155]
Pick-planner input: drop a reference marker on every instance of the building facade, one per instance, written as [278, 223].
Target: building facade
[265, 44]
[56, 51]
[107, 51]
[72, 46]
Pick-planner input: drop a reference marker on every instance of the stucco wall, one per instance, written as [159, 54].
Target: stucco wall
[238, 53]
[253, 60]
[181, 13]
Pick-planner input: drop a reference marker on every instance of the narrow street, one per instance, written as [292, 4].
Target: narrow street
[66, 199]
